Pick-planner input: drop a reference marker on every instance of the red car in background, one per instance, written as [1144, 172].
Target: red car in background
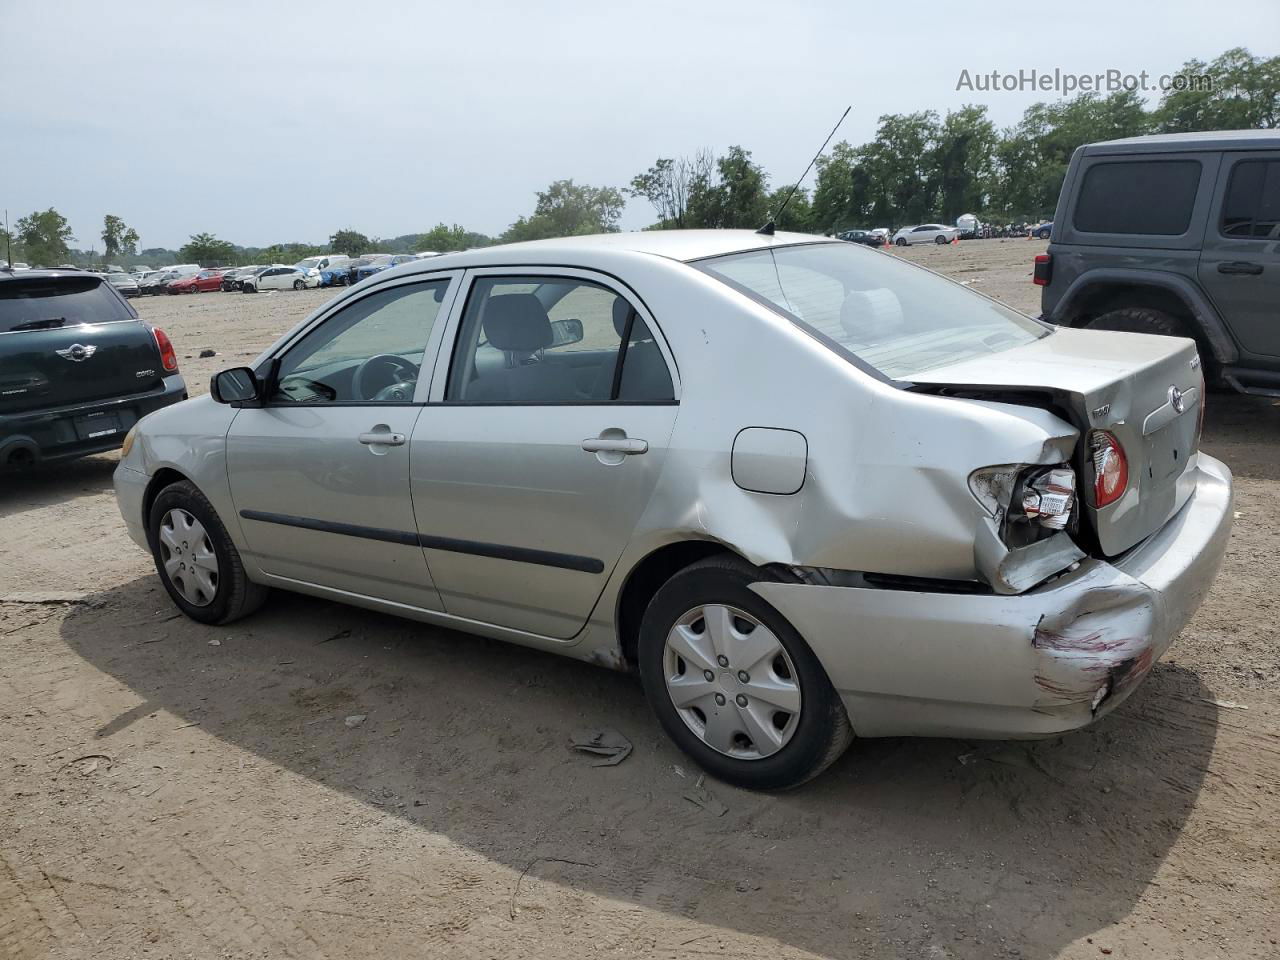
[201, 282]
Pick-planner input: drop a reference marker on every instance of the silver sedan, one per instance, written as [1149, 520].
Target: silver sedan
[805, 490]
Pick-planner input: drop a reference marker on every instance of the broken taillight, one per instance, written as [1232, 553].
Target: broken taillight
[1029, 503]
[1110, 468]
[1047, 498]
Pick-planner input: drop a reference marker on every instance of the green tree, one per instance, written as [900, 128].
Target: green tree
[1243, 94]
[567, 209]
[443, 239]
[118, 238]
[45, 236]
[207, 250]
[798, 213]
[351, 242]
[962, 162]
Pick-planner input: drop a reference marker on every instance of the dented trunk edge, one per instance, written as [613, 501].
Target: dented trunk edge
[1034, 664]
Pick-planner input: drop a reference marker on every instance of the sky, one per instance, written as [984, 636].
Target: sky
[276, 122]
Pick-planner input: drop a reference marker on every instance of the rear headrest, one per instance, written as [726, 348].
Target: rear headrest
[621, 310]
[870, 315]
[517, 321]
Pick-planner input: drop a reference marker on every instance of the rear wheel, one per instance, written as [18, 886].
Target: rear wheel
[733, 683]
[901, 241]
[939, 239]
[197, 562]
[299, 285]
[1141, 320]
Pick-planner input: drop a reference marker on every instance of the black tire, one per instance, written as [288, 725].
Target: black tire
[901, 241]
[823, 731]
[1043, 235]
[299, 285]
[940, 240]
[1141, 320]
[236, 595]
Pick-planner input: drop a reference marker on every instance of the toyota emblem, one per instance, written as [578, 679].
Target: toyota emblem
[1175, 398]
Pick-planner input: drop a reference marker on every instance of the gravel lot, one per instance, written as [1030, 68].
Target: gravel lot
[174, 790]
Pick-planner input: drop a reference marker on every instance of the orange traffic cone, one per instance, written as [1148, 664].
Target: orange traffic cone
[955, 239]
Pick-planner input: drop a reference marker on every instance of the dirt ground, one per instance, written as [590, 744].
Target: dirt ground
[174, 790]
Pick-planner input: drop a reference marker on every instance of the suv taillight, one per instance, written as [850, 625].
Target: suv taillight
[1042, 273]
[1110, 468]
[168, 358]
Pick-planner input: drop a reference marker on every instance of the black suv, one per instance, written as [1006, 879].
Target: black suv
[1177, 234]
[77, 366]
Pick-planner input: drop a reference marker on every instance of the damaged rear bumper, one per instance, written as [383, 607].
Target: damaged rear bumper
[908, 663]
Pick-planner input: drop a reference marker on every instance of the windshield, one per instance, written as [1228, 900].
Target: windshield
[895, 317]
[42, 302]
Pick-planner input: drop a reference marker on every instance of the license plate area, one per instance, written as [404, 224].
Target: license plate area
[94, 426]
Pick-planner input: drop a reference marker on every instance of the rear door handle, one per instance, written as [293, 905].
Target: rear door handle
[382, 437]
[1240, 266]
[615, 445]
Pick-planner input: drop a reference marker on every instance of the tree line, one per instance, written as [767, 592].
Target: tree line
[920, 167]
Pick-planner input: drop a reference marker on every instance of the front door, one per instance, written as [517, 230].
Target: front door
[531, 467]
[1240, 259]
[320, 473]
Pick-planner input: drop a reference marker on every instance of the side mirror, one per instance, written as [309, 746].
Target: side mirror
[237, 385]
[565, 332]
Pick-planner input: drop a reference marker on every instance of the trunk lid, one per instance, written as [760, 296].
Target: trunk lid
[1145, 390]
[69, 339]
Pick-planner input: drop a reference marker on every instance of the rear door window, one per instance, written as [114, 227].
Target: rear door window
[1251, 208]
[44, 303]
[1151, 197]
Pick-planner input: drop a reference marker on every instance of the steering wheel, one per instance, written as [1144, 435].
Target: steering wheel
[384, 376]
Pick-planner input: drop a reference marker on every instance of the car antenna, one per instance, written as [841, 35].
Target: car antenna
[771, 225]
[8, 244]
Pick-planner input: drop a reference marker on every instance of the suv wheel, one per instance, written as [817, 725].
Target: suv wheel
[1141, 320]
[733, 683]
[197, 562]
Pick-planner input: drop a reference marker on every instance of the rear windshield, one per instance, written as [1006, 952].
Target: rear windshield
[1151, 197]
[895, 317]
[41, 303]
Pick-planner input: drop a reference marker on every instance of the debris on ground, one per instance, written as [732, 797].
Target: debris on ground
[355, 720]
[1225, 704]
[215, 642]
[208, 353]
[602, 741]
[340, 635]
[700, 796]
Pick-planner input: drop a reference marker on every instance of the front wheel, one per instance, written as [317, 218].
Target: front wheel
[299, 285]
[901, 241]
[733, 683]
[197, 562]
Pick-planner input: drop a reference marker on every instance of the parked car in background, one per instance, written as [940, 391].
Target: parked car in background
[1021, 547]
[231, 279]
[377, 266]
[339, 274]
[202, 282]
[278, 278]
[865, 237]
[126, 285]
[969, 225]
[77, 366]
[1176, 234]
[1041, 231]
[156, 282]
[925, 233]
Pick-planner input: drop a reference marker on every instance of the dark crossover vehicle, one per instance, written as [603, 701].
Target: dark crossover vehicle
[77, 366]
[865, 237]
[1177, 234]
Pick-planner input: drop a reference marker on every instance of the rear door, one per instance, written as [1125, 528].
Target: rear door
[1240, 260]
[535, 460]
[70, 339]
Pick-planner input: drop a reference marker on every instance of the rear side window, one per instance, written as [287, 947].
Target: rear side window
[44, 303]
[1251, 208]
[1152, 197]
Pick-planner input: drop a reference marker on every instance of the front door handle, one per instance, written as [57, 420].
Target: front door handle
[1240, 266]
[623, 445]
[382, 437]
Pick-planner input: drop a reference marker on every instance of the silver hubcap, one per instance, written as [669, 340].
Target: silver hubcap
[731, 681]
[188, 558]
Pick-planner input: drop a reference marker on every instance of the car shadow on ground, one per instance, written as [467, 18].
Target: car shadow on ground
[995, 849]
[48, 484]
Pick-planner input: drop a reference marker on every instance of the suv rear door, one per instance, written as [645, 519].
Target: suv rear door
[70, 339]
[1240, 260]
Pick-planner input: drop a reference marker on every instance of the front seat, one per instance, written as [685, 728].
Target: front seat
[518, 325]
[644, 370]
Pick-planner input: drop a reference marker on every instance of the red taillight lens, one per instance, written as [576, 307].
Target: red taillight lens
[1110, 468]
[1042, 273]
[168, 358]
[1200, 414]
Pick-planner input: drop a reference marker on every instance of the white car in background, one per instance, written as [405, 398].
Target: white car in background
[279, 277]
[925, 233]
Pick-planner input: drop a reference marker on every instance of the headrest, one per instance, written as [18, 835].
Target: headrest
[870, 315]
[517, 321]
[621, 310]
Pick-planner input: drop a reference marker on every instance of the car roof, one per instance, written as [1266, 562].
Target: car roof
[47, 274]
[1203, 140]
[681, 245]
